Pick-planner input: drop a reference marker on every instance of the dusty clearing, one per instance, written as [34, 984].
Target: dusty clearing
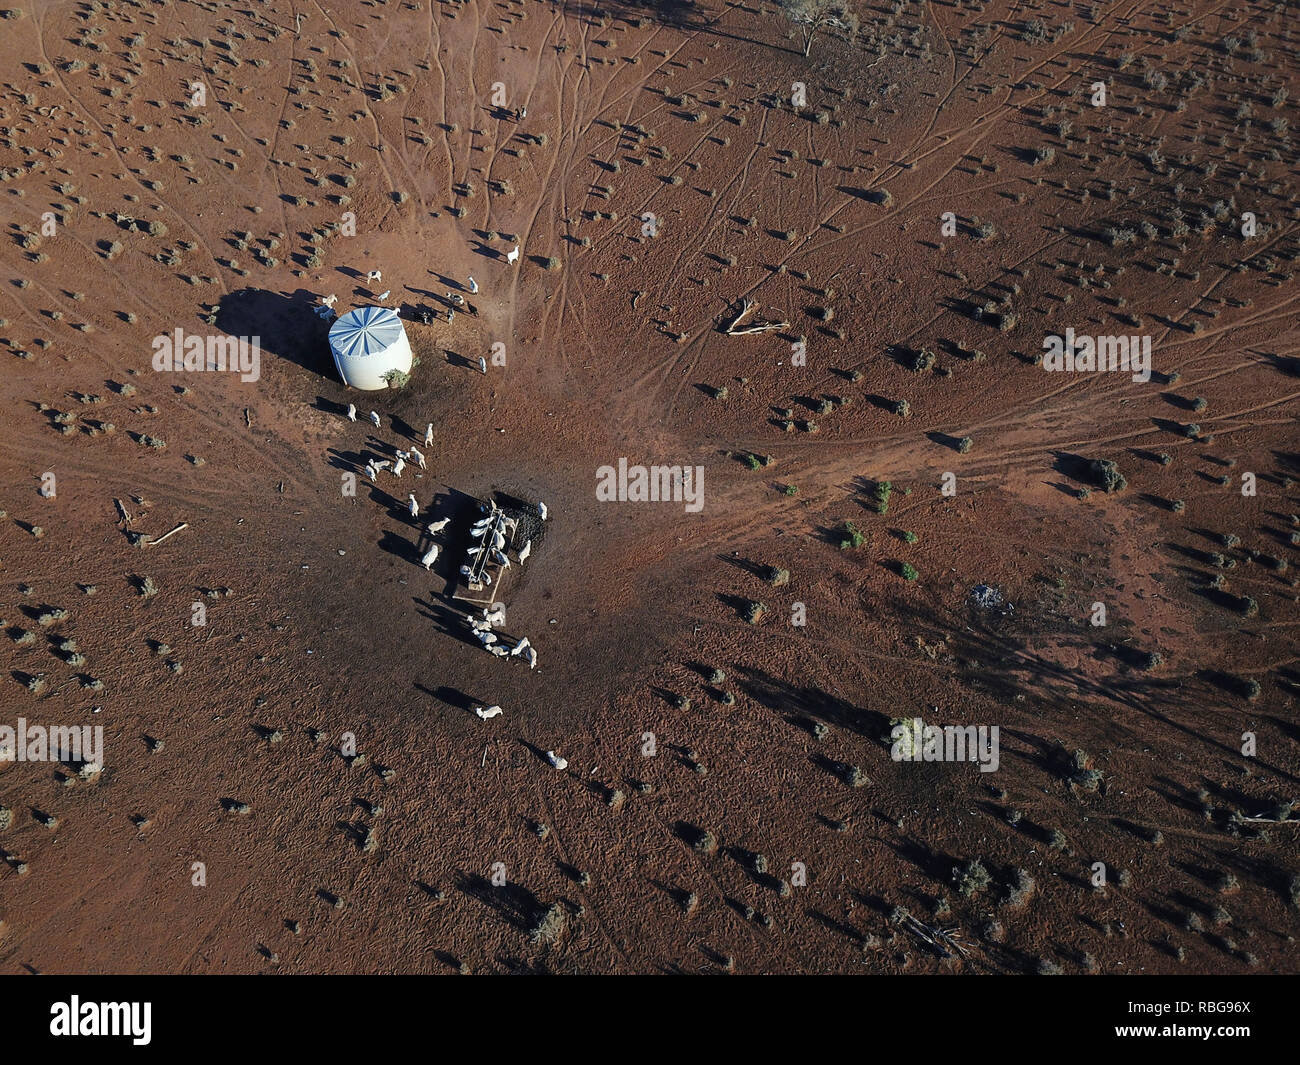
[204, 167]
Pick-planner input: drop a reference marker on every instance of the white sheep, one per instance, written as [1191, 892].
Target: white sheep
[383, 295]
[428, 435]
[371, 472]
[530, 656]
[487, 712]
[542, 511]
[400, 464]
[485, 636]
[521, 646]
[352, 412]
[430, 557]
[419, 459]
[496, 614]
[413, 505]
[381, 464]
[512, 256]
[436, 526]
[374, 419]
[329, 301]
[556, 761]
[473, 287]
[498, 650]
[525, 551]
[375, 275]
[482, 365]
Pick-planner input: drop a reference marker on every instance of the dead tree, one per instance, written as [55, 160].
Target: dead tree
[814, 15]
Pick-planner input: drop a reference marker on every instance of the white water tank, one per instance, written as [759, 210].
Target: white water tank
[368, 343]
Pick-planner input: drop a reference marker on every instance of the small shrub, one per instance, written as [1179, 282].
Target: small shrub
[1021, 891]
[880, 493]
[1081, 774]
[972, 878]
[1105, 473]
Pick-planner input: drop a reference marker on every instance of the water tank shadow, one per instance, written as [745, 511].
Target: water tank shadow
[288, 326]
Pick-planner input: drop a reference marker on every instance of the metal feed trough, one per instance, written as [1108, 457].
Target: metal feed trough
[475, 588]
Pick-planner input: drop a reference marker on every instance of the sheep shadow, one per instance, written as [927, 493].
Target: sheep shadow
[449, 622]
[330, 406]
[397, 545]
[453, 697]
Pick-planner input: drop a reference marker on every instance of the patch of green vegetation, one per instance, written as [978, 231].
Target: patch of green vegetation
[880, 493]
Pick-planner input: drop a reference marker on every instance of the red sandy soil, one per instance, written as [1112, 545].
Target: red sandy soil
[452, 845]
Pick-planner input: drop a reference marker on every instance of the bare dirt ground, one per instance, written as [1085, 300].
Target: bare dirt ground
[770, 831]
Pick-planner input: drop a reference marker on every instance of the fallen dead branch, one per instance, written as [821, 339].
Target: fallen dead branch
[942, 940]
[1279, 815]
[747, 306]
[164, 536]
[758, 327]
